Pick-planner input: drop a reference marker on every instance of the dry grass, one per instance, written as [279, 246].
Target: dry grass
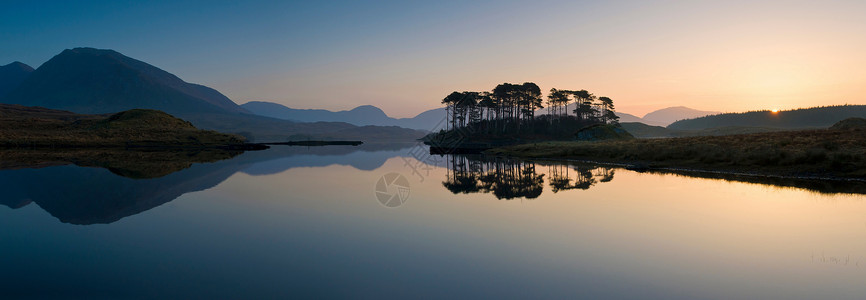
[837, 153]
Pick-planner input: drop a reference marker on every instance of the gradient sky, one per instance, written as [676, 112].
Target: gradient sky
[405, 56]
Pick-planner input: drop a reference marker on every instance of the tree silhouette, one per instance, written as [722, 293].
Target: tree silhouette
[508, 112]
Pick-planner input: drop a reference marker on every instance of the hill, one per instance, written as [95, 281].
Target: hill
[850, 124]
[666, 116]
[804, 118]
[12, 75]
[360, 116]
[34, 127]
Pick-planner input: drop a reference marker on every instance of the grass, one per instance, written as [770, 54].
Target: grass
[811, 153]
[33, 127]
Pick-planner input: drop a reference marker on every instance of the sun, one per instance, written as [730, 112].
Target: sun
[775, 110]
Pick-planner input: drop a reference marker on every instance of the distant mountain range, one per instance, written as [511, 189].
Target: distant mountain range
[96, 81]
[662, 117]
[431, 119]
[361, 115]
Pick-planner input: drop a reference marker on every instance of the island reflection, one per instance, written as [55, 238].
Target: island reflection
[509, 178]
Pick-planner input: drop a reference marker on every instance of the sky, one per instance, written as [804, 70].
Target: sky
[405, 56]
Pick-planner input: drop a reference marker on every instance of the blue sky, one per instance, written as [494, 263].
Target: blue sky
[404, 56]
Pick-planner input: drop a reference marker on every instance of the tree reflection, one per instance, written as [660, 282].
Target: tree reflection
[510, 178]
[505, 178]
[580, 176]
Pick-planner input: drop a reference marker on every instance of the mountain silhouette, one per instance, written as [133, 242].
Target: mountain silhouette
[95, 81]
[12, 75]
[666, 116]
[360, 116]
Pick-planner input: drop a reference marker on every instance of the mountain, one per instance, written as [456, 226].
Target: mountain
[361, 116]
[12, 75]
[816, 117]
[428, 120]
[628, 118]
[666, 116]
[96, 81]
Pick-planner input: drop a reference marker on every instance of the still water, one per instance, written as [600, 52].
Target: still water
[310, 222]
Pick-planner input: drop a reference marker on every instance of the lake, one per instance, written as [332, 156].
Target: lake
[392, 221]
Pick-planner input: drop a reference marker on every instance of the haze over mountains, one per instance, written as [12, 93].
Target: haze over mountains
[96, 81]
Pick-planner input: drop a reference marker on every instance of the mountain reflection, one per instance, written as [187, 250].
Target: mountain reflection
[510, 178]
[103, 186]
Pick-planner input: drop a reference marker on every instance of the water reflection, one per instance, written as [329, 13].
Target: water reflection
[103, 186]
[508, 179]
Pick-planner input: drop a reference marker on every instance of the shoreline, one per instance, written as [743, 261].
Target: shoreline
[838, 155]
[642, 168]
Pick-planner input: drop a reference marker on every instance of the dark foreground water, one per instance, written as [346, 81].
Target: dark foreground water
[376, 222]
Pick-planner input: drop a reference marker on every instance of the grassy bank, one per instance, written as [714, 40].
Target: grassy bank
[34, 127]
[811, 153]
